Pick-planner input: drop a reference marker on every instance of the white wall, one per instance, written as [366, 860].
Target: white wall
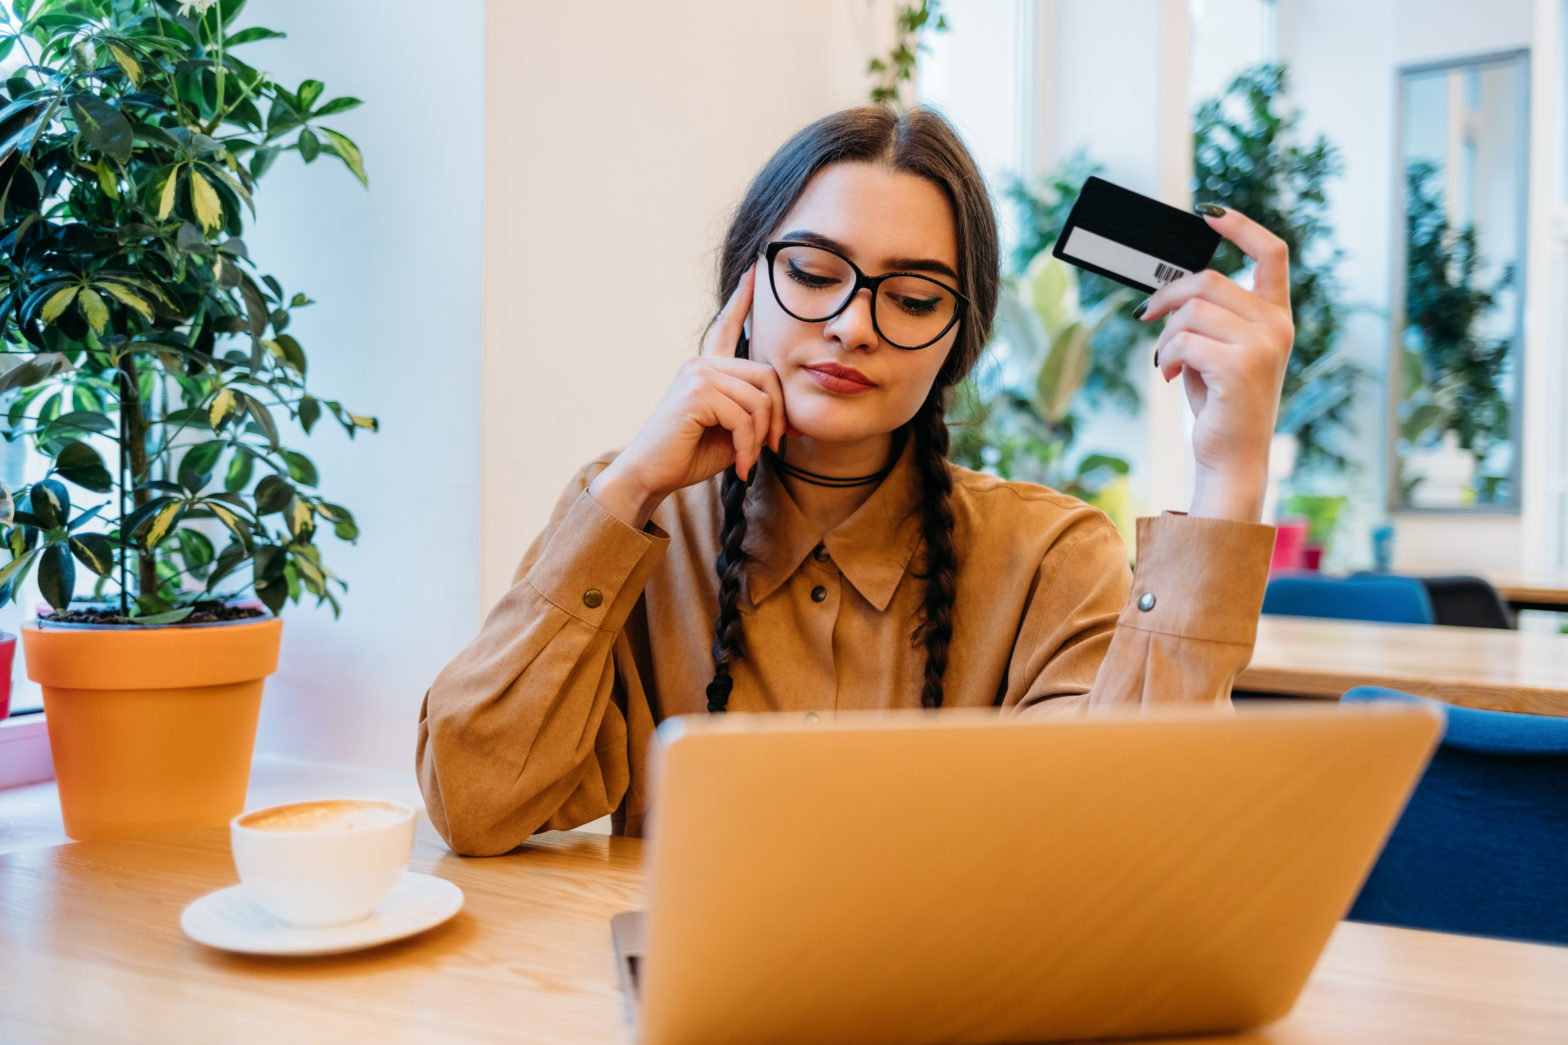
[396, 272]
[618, 139]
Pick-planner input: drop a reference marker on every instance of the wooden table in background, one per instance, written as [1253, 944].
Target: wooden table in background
[1521, 590]
[1476, 667]
[91, 950]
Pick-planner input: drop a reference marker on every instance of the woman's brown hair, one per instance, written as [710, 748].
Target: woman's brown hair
[920, 142]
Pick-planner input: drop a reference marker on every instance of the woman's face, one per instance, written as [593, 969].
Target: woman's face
[883, 221]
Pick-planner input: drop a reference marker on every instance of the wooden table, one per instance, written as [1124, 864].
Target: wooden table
[91, 950]
[1476, 667]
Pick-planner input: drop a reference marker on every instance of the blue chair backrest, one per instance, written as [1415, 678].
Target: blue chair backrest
[1482, 846]
[1380, 597]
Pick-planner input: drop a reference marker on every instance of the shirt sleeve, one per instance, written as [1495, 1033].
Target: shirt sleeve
[1179, 630]
[526, 728]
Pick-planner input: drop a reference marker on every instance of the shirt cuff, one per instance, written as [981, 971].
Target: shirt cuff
[596, 566]
[1200, 578]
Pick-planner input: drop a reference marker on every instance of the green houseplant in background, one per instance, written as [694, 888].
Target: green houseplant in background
[1452, 376]
[149, 363]
[1015, 416]
[1245, 156]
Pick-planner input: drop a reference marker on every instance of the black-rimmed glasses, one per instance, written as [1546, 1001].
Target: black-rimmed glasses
[814, 283]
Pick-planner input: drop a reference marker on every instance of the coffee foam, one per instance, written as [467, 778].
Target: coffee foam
[330, 815]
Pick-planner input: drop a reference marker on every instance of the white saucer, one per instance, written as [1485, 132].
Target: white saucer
[229, 920]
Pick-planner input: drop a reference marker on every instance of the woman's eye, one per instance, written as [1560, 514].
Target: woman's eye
[809, 279]
[916, 306]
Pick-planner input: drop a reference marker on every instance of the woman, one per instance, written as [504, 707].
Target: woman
[786, 533]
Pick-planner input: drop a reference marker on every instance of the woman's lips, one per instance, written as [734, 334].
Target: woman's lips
[842, 379]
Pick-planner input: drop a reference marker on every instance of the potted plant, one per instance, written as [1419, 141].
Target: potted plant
[148, 362]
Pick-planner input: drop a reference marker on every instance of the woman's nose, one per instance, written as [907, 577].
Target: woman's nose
[853, 327]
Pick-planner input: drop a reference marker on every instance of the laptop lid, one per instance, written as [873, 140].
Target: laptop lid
[956, 877]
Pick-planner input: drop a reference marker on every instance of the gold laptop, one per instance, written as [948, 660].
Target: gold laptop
[953, 877]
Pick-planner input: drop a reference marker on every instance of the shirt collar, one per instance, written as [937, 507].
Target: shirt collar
[872, 547]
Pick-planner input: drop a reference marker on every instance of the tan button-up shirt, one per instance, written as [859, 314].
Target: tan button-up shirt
[544, 720]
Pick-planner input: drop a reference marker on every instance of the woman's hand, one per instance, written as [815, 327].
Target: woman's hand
[719, 411]
[1230, 345]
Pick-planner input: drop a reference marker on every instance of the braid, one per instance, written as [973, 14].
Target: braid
[941, 560]
[726, 630]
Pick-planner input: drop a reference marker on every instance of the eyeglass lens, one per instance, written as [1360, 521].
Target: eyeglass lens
[814, 284]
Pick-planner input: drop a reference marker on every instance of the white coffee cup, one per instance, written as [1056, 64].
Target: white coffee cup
[325, 862]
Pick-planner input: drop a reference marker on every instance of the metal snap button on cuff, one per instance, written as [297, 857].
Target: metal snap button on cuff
[1146, 601]
[592, 598]
[818, 593]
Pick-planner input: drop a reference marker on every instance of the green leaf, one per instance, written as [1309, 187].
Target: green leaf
[273, 594]
[338, 105]
[301, 520]
[263, 417]
[82, 465]
[309, 412]
[166, 194]
[1091, 462]
[51, 504]
[167, 516]
[236, 525]
[58, 302]
[1063, 372]
[301, 470]
[104, 126]
[15, 570]
[95, 552]
[273, 494]
[204, 200]
[292, 352]
[126, 297]
[57, 576]
[7, 507]
[195, 548]
[94, 309]
[224, 406]
[166, 617]
[262, 160]
[127, 63]
[40, 368]
[76, 423]
[241, 465]
[197, 464]
[309, 145]
[349, 153]
[307, 94]
[251, 35]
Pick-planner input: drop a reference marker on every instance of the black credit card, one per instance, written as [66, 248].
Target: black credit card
[1133, 239]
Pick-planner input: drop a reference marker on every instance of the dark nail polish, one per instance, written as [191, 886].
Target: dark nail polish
[751, 474]
[1213, 210]
[1156, 359]
[782, 440]
[1138, 312]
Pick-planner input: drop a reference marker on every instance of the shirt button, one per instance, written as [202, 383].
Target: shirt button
[821, 553]
[1146, 601]
[592, 598]
[818, 593]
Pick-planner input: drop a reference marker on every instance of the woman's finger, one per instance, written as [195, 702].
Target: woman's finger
[757, 403]
[726, 330]
[1187, 349]
[1200, 316]
[1272, 279]
[730, 415]
[766, 379]
[1208, 285]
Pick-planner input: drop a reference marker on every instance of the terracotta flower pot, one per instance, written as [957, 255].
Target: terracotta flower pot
[151, 728]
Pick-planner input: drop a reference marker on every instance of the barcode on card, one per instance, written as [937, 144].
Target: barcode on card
[1125, 262]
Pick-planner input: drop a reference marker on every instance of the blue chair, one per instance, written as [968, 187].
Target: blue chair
[1379, 597]
[1482, 846]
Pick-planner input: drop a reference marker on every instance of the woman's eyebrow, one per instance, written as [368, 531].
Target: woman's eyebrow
[888, 264]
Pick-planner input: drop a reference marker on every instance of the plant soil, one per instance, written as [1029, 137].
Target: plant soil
[204, 613]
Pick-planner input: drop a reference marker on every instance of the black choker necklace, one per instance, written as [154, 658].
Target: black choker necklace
[817, 479]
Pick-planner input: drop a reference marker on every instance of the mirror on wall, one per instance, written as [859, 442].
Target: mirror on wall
[1459, 297]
